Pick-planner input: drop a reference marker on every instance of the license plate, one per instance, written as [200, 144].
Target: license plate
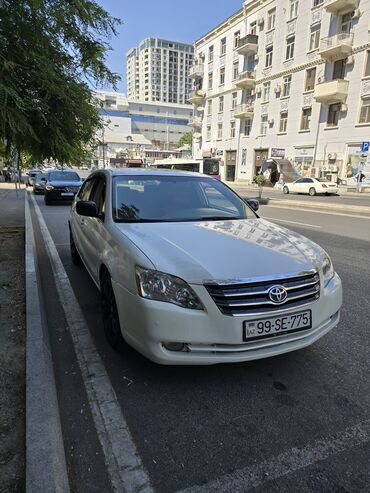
[272, 326]
[67, 194]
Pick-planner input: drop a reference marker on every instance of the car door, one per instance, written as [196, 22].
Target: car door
[94, 228]
[296, 186]
[307, 184]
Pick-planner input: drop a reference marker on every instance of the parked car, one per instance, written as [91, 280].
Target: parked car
[39, 183]
[189, 274]
[31, 175]
[311, 186]
[61, 186]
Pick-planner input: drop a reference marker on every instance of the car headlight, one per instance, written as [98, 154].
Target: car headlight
[327, 270]
[49, 187]
[159, 286]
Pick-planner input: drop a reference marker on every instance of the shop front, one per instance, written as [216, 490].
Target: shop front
[303, 161]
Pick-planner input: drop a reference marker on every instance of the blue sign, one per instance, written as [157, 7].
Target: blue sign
[365, 147]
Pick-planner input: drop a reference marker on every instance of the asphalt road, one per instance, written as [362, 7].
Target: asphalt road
[298, 422]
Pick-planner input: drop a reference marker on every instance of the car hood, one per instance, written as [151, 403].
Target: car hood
[223, 250]
[65, 183]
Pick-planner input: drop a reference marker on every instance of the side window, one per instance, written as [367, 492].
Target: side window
[301, 180]
[98, 194]
[84, 193]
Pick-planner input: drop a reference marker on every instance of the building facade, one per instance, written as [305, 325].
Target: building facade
[284, 79]
[158, 71]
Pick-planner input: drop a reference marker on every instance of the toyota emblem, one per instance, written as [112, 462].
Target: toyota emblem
[278, 294]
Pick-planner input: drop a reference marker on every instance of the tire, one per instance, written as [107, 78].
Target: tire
[111, 323]
[312, 192]
[76, 259]
[47, 200]
[286, 190]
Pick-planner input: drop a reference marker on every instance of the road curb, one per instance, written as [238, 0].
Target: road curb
[46, 469]
[357, 209]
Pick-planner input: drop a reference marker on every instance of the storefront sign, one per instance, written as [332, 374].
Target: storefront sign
[277, 153]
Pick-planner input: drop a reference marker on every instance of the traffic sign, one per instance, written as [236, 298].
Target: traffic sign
[365, 147]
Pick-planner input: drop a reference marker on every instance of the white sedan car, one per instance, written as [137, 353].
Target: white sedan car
[189, 274]
[312, 186]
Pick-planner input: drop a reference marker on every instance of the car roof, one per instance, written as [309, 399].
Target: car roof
[146, 172]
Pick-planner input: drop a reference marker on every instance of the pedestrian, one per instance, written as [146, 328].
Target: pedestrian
[360, 179]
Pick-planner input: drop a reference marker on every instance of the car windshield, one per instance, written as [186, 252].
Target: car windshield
[40, 176]
[63, 176]
[175, 199]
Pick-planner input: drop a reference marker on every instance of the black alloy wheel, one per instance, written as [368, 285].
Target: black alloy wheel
[286, 190]
[312, 191]
[112, 327]
[76, 259]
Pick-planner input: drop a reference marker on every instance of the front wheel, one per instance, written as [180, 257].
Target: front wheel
[286, 190]
[112, 327]
[312, 191]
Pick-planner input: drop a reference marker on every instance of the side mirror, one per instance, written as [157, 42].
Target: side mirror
[253, 204]
[87, 208]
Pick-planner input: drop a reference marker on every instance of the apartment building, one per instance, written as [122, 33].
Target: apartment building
[284, 79]
[158, 71]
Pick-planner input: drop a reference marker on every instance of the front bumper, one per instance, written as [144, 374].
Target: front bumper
[210, 336]
[57, 195]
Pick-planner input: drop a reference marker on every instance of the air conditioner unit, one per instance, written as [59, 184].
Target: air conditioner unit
[253, 92]
[351, 60]
[271, 121]
[321, 79]
[356, 14]
[344, 107]
[258, 90]
[277, 89]
[261, 21]
[201, 55]
[256, 57]
[332, 156]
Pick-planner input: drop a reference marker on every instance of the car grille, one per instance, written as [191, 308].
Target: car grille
[66, 189]
[247, 298]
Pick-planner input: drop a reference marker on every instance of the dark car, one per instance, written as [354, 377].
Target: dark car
[31, 175]
[39, 183]
[61, 186]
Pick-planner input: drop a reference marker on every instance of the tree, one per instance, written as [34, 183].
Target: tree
[186, 139]
[261, 182]
[49, 51]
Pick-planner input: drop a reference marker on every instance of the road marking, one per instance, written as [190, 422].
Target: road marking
[291, 222]
[317, 211]
[288, 462]
[126, 471]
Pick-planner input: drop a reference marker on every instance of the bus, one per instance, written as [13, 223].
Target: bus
[207, 166]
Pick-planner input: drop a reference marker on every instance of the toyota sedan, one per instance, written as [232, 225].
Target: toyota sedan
[189, 274]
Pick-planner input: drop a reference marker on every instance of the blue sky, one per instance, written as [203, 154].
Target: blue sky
[178, 20]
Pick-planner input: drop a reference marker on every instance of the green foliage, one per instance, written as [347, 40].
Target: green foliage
[186, 139]
[261, 180]
[49, 50]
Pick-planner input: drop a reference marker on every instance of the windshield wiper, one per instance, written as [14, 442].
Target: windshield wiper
[220, 218]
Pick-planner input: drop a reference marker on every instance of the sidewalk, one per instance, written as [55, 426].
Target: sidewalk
[12, 339]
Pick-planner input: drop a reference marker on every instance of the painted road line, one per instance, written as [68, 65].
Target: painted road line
[292, 222]
[288, 462]
[46, 468]
[316, 211]
[125, 468]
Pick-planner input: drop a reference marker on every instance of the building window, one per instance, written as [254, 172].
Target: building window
[253, 28]
[315, 37]
[347, 22]
[367, 64]
[306, 118]
[287, 83]
[290, 47]
[310, 79]
[208, 133]
[365, 111]
[221, 100]
[209, 107]
[271, 19]
[234, 100]
[222, 76]
[236, 40]
[263, 128]
[333, 115]
[293, 9]
[339, 69]
[210, 54]
[283, 121]
[316, 3]
[210, 80]
[266, 91]
[235, 70]
[223, 46]
[269, 52]
[219, 131]
[232, 129]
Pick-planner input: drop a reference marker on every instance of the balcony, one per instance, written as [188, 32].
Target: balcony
[336, 47]
[196, 71]
[195, 121]
[248, 45]
[244, 111]
[340, 6]
[196, 97]
[246, 80]
[332, 91]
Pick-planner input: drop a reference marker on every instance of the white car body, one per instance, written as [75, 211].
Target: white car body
[206, 255]
[305, 184]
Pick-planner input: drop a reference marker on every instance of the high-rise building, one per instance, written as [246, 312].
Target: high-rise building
[285, 79]
[158, 71]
